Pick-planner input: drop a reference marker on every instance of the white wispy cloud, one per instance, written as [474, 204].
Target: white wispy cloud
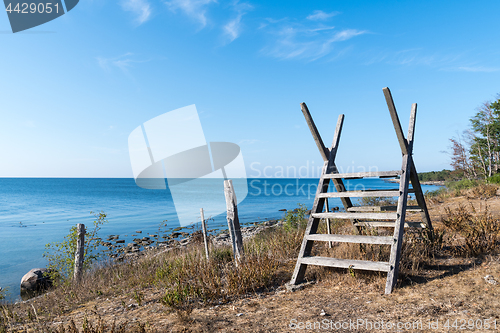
[232, 29]
[123, 62]
[414, 57]
[296, 40]
[140, 8]
[195, 9]
[479, 69]
[319, 15]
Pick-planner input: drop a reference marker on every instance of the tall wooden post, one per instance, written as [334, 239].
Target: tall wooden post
[80, 251]
[232, 220]
[204, 231]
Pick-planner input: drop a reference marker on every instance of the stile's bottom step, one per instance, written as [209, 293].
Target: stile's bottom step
[379, 266]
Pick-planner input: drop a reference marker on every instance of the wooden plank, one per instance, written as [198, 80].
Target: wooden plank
[395, 120]
[419, 195]
[395, 256]
[382, 240]
[325, 153]
[382, 209]
[328, 231]
[233, 221]
[336, 138]
[359, 194]
[388, 224]
[386, 174]
[369, 216]
[379, 266]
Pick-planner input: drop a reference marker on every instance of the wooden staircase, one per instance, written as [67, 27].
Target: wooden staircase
[367, 216]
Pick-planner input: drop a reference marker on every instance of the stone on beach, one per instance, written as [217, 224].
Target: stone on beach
[36, 280]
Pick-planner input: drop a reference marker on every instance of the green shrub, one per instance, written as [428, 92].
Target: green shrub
[296, 218]
[61, 255]
[495, 179]
[463, 184]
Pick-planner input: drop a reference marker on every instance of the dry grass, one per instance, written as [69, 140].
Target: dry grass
[183, 281]
[476, 232]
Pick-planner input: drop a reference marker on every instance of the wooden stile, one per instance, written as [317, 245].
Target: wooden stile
[384, 216]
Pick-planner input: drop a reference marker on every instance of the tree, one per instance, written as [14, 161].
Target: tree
[61, 255]
[477, 151]
[485, 141]
[460, 158]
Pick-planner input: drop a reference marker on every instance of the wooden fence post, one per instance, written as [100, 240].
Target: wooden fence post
[204, 230]
[80, 251]
[232, 220]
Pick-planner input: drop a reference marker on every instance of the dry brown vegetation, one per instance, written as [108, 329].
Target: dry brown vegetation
[179, 290]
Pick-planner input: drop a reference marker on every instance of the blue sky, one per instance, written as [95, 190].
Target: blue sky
[73, 89]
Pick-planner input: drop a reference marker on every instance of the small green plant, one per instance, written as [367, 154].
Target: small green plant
[60, 255]
[222, 254]
[3, 293]
[296, 219]
[138, 297]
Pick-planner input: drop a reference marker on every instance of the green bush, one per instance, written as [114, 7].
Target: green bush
[61, 255]
[495, 179]
[463, 184]
[296, 218]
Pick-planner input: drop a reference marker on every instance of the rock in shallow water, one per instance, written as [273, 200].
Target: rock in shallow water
[35, 281]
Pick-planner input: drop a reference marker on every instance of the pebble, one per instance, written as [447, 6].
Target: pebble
[490, 279]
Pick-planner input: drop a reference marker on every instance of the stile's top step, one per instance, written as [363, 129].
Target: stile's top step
[382, 174]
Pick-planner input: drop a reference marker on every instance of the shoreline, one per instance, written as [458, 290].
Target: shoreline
[430, 182]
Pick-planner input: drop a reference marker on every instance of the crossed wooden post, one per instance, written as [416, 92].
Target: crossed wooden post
[395, 214]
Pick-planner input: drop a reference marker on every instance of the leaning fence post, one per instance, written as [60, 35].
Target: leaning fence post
[80, 251]
[232, 220]
[204, 230]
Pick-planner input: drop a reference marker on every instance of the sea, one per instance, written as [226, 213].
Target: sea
[38, 211]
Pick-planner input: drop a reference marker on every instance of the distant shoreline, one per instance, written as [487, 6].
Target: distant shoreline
[430, 182]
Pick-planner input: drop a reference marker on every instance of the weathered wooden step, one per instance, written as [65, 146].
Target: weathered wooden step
[364, 216]
[351, 239]
[379, 266]
[388, 224]
[382, 209]
[366, 193]
[381, 174]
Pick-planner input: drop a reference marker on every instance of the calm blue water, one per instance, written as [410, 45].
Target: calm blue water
[36, 211]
